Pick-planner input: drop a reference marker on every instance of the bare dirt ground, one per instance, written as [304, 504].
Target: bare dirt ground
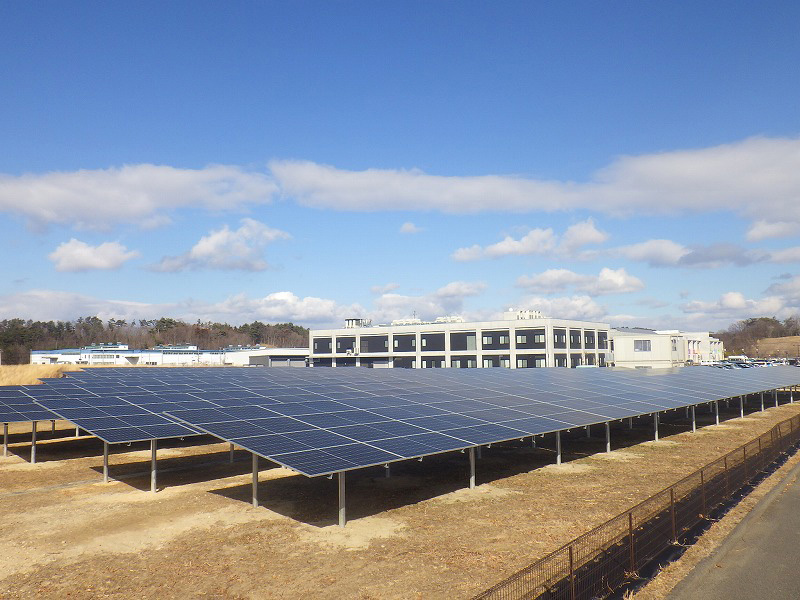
[417, 534]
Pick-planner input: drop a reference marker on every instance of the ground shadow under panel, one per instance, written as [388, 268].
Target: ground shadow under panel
[177, 470]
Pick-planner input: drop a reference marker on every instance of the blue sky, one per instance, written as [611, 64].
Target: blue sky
[636, 163]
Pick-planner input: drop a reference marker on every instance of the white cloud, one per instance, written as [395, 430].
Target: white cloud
[227, 249]
[656, 253]
[579, 235]
[787, 255]
[734, 306]
[409, 227]
[383, 289]
[141, 194]
[282, 306]
[761, 230]
[608, 281]
[76, 255]
[566, 307]
[279, 306]
[538, 242]
[448, 299]
[758, 178]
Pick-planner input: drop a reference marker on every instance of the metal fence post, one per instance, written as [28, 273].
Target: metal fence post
[672, 514]
[727, 477]
[571, 573]
[631, 542]
[703, 491]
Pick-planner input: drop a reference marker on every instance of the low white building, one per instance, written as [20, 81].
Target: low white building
[179, 355]
[521, 339]
[661, 349]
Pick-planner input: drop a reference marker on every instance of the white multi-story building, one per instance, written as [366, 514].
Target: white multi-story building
[521, 339]
[179, 355]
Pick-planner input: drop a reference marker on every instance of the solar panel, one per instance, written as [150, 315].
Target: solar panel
[318, 421]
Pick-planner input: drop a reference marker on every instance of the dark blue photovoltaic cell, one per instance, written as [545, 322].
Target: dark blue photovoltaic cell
[348, 418]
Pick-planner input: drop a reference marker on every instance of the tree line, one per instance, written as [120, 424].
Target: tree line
[18, 336]
[743, 336]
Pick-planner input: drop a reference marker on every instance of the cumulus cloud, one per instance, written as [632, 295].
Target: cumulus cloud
[734, 305]
[757, 178]
[281, 306]
[76, 255]
[409, 227]
[608, 281]
[761, 230]
[275, 307]
[384, 289]
[226, 249]
[448, 299]
[567, 307]
[538, 242]
[656, 253]
[666, 253]
[717, 255]
[142, 194]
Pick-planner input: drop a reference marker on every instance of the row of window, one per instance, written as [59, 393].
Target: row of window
[526, 339]
[526, 361]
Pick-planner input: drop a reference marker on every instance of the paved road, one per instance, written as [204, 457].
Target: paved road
[759, 558]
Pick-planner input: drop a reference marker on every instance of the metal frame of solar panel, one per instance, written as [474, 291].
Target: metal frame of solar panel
[323, 421]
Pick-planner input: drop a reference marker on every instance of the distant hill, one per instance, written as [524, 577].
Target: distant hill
[763, 336]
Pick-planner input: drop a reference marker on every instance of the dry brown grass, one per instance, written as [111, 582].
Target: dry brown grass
[30, 374]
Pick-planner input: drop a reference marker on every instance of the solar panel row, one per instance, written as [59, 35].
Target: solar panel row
[320, 421]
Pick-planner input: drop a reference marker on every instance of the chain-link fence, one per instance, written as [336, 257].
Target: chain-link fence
[605, 558]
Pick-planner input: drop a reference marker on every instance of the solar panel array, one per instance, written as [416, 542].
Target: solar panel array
[115, 413]
[17, 406]
[320, 421]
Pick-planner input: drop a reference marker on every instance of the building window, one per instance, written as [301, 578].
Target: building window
[602, 340]
[574, 338]
[641, 345]
[530, 338]
[560, 338]
[494, 340]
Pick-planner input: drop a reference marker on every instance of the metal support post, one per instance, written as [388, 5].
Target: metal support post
[52, 425]
[480, 454]
[694, 421]
[533, 441]
[608, 436]
[762, 401]
[105, 462]
[230, 458]
[791, 394]
[655, 425]
[33, 442]
[388, 471]
[558, 447]
[630, 422]
[775, 396]
[472, 468]
[77, 432]
[255, 480]
[153, 471]
[716, 411]
[342, 505]
[588, 431]
[5, 439]
[741, 407]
